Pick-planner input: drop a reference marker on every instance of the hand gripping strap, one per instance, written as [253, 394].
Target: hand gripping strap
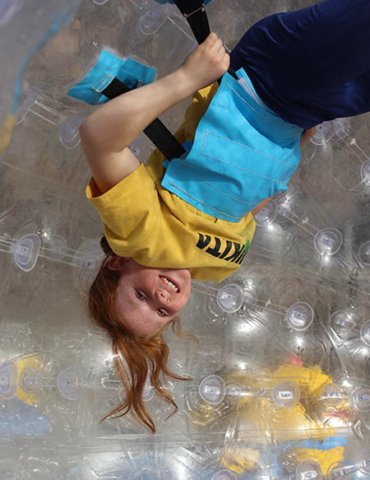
[196, 15]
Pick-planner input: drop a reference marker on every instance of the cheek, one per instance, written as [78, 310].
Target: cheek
[137, 320]
[121, 310]
[139, 279]
[124, 309]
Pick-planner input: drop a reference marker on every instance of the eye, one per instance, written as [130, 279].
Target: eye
[140, 295]
[162, 312]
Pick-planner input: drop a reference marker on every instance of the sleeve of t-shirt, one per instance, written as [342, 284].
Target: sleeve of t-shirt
[128, 210]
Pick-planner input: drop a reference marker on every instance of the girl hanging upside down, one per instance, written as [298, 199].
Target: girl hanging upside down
[168, 222]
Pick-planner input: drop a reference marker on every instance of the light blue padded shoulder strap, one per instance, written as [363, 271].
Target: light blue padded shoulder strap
[107, 67]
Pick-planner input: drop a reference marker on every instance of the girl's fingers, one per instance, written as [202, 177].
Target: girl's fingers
[211, 39]
[217, 45]
[214, 42]
[221, 50]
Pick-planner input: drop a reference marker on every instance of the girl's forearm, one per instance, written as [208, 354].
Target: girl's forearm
[116, 124]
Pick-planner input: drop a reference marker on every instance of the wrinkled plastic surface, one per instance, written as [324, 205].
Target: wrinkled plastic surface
[280, 379]
[24, 29]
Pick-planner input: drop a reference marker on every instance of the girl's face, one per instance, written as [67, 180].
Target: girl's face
[148, 298]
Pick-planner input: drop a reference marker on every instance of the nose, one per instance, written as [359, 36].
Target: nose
[162, 297]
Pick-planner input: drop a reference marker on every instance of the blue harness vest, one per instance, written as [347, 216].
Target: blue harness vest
[242, 153]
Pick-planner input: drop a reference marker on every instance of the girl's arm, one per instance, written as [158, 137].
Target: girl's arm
[107, 132]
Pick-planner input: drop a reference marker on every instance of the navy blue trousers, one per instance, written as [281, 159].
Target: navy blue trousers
[313, 64]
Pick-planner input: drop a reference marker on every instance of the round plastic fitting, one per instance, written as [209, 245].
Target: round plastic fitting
[328, 241]
[331, 394]
[286, 394]
[360, 398]
[230, 298]
[212, 389]
[224, 475]
[25, 251]
[266, 215]
[68, 383]
[364, 253]
[340, 127]
[343, 323]
[100, 2]
[234, 391]
[300, 316]
[153, 19]
[308, 471]
[69, 135]
[91, 261]
[365, 173]
[8, 380]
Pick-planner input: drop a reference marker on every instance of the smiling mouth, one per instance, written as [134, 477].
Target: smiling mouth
[168, 281]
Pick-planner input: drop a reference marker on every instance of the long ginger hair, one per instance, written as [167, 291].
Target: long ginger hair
[134, 356]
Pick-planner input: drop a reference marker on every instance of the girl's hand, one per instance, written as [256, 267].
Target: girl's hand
[207, 63]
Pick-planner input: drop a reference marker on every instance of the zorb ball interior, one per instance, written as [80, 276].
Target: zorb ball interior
[279, 384]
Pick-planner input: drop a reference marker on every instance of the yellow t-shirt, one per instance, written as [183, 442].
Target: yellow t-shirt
[156, 228]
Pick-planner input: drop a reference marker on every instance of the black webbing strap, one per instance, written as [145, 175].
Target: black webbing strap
[195, 14]
[115, 88]
[156, 131]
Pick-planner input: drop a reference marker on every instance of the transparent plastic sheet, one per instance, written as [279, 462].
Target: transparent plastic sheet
[262, 321]
[309, 231]
[274, 425]
[40, 396]
[177, 463]
[299, 301]
[356, 470]
[334, 172]
[351, 156]
[321, 224]
[315, 239]
[22, 34]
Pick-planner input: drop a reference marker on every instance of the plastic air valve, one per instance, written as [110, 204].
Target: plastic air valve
[212, 389]
[300, 316]
[230, 298]
[26, 251]
[308, 471]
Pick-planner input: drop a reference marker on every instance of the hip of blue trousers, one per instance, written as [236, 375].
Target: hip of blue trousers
[313, 64]
[242, 153]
